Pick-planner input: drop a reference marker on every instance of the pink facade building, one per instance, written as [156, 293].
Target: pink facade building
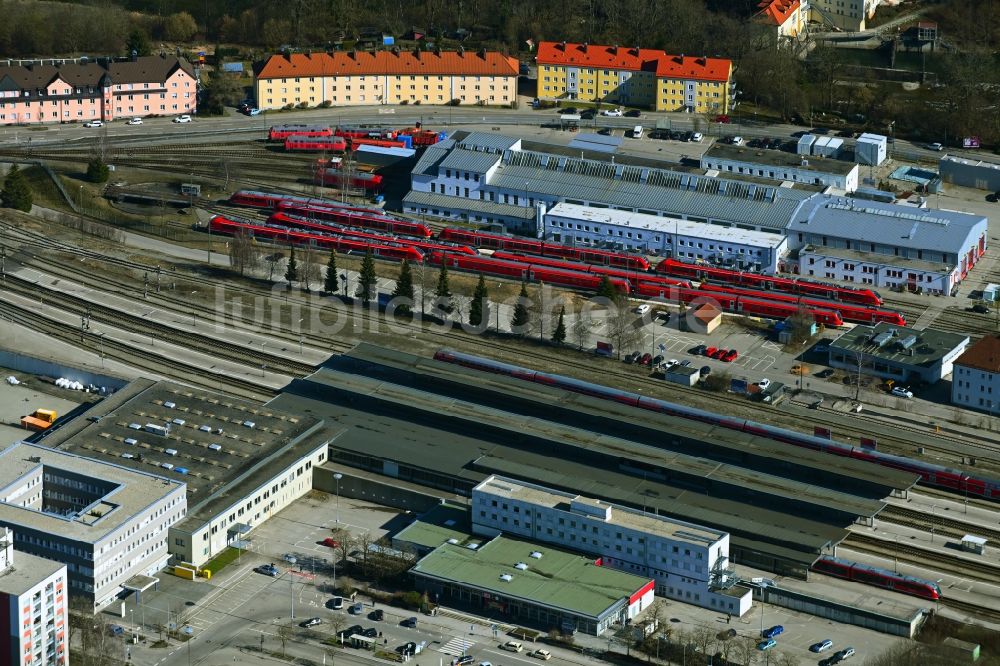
[103, 90]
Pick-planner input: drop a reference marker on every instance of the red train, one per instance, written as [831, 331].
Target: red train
[740, 304]
[858, 314]
[385, 250]
[382, 143]
[353, 218]
[299, 222]
[330, 144]
[337, 178]
[282, 132]
[869, 575]
[598, 269]
[423, 137]
[273, 201]
[524, 272]
[526, 245]
[365, 133]
[768, 282]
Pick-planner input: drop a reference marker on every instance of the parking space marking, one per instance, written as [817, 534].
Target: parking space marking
[771, 344]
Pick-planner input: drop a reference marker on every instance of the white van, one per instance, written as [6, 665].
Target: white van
[637, 132]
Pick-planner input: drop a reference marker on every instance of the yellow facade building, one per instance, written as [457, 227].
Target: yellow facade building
[634, 77]
[358, 78]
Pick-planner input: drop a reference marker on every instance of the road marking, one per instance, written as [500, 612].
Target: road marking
[457, 646]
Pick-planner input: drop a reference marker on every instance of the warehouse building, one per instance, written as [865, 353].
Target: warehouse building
[366, 78]
[635, 77]
[886, 245]
[779, 165]
[574, 224]
[238, 462]
[490, 179]
[532, 584]
[966, 172]
[898, 353]
[107, 523]
[976, 374]
[689, 563]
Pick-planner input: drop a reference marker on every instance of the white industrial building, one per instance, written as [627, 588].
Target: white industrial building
[823, 171]
[665, 236]
[106, 523]
[898, 353]
[870, 149]
[975, 380]
[688, 562]
[885, 245]
[34, 605]
[980, 174]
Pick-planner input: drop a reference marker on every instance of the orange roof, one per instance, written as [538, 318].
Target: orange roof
[663, 64]
[983, 355]
[356, 63]
[778, 11]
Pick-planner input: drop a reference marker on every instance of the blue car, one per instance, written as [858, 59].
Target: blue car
[773, 631]
[767, 645]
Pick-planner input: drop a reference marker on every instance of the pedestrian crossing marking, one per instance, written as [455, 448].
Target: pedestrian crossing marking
[457, 646]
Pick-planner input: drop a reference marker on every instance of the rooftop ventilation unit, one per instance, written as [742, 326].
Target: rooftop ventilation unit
[215, 447]
[473, 546]
[131, 441]
[249, 424]
[205, 428]
[135, 426]
[167, 465]
[882, 339]
[506, 577]
[179, 422]
[453, 541]
[522, 566]
[170, 452]
[169, 405]
[536, 554]
[908, 341]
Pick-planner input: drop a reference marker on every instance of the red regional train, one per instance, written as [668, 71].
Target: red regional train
[282, 132]
[869, 575]
[270, 200]
[858, 314]
[599, 269]
[385, 250]
[314, 144]
[365, 133]
[299, 222]
[534, 246]
[929, 473]
[356, 219]
[337, 178]
[768, 282]
[524, 272]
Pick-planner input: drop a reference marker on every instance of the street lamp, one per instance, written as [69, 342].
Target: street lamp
[338, 476]
[300, 335]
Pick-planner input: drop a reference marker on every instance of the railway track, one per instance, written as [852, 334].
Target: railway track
[975, 610]
[923, 557]
[943, 525]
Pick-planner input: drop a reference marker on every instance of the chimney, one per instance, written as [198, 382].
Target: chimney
[562, 46]
[461, 51]
[585, 47]
[614, 49]
[482, 53]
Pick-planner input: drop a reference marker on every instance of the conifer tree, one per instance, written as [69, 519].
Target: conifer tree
[404, 289]
[559, 335]
[443, 299]
[292, 271]
[519, 320]
[367, 279]
[331, 281]
[16, 191]
[479, 309]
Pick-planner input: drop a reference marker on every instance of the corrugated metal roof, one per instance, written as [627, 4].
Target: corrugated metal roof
[428, 162]
[490, 141]
[889, 224]
[469, 160]
[479, 206]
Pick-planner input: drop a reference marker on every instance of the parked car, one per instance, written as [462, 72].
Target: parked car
[901, 392]
[642, 309]
[568, 110]
[775, 144]
[710, 351]
[705, 371]
[407, 648]
[357, 609]
[93, 123]
[767, 645]
[699, 350]
[771, 632]
[981, 308]
[935, 146]
[737, 141]
[541, 654]
[719, 353]
[376, 615]
[724, 119]
[605, 131]
[311, 622]
[336, 603]
[697, 136]
[764, 383]
[512, 646]
[370, 632]
[754, 143]
[268, 570]
[688, 136]
[820, 131]
[823, 374]
[657, 360]
[463, 660]
[183, 119]
[588, 114]
[134, 121]
[410, 622]
[115, 630]
[685, 363]
[730, 356]
[846, 653]
[670, 364]
[822, 646]
[634, 113]
[632, 357]
[646, 359]
[330, 542]
[612, 113]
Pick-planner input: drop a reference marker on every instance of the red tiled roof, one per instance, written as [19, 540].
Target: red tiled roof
[662, 63]
[356, 63]
[983, 355]
[778, 11]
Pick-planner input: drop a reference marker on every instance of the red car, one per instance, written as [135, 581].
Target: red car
[330, 542]
[730, 356]
[719, 353]
[724, 119]
[646, 359]
[711, 351]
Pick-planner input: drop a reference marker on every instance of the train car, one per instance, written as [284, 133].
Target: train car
[361, 219]
[282, 132]
[631, 275]
[299, 222]
[768, 282]
[313, 144]
[929, 473]
[400, 142]
[869, 575]
[273, 201]
[423, 137]
[337, 178]
[859, 314]
[524, 272]
[284, 235]
[524, 245]
[774, 310]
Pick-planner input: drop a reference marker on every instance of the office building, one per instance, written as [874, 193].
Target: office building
[781, 166]
[975, 381]
[898, 353]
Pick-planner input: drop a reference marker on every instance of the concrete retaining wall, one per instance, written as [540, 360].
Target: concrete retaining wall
[36, 366]
[383, 492]
[839, 612]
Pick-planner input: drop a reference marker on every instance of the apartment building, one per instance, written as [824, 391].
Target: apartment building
[635, 77]
[34, 630]
[849, 15]
[975, 374]
[688, 562]
[106, 523]
[64, 91]
[360, 78]
[787, 17]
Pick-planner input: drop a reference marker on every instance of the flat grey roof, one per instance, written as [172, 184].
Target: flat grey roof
[433, 155]
[929, 347]
[444, 522]
[469, 160]
[219, 465]
[490, 141]
[27, 571]
[596, 142]
[779, 158]
[125, 492]
[445, 202]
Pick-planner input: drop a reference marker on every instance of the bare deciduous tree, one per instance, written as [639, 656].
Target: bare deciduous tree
[310, 268]
[244, 253]
[623, 328]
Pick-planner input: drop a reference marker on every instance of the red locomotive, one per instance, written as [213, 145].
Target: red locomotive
[282, 132]
[337, 178]
[768, 282]
[869, 575]
[313, 144]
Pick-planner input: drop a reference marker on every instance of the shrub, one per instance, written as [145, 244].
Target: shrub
[289, 106]
[404, 102]
[303, 105]
[325, 104]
